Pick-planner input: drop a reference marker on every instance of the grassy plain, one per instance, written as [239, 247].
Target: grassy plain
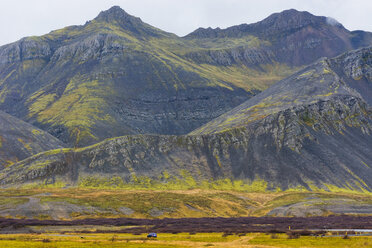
[170, 203]
[261, 240]
[76, 203]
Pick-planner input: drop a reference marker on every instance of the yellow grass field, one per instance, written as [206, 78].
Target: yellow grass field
[80, 203]
[257, 240]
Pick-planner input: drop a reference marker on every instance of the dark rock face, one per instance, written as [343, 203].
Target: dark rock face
[185, 110]
[24, 49]
[309, 130]
[248, 56]
[19, 140]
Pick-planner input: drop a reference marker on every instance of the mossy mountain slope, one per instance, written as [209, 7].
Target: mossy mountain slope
[114, 75]
[310, 130]
[117, 75]
[323, 81]
[19, 140]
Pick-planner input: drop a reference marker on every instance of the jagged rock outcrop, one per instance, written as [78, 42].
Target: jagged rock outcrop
[356, 67]
[25, 49]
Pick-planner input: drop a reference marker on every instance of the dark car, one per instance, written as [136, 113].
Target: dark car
[152, 235]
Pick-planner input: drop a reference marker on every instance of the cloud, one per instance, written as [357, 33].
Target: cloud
[332, 21]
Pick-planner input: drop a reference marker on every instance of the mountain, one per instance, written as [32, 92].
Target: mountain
[117, 75]
[328, 80]
[310, 130]
[19, 140]
[114, 75]
[293, 37]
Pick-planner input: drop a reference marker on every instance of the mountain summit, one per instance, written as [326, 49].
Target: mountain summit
[281, 23]
[291, 20]
[117, 16]
[115, 13]
[296, 37]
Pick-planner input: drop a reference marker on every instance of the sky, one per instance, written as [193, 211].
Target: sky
[21, 18]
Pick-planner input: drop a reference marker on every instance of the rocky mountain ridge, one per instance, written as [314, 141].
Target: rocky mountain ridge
[295, 37]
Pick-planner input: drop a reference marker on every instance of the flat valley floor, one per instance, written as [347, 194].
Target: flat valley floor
[258, 240]
[84, 217]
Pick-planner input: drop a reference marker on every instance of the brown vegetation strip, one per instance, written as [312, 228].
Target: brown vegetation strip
[226, 225]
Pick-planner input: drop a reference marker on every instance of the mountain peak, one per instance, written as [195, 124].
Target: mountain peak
[293, 14]
[293, 19]
[113, 13]
[116, 14]
[303, 17]
[286, 21]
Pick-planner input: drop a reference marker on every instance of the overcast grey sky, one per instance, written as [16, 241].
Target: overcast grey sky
[20, 18]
